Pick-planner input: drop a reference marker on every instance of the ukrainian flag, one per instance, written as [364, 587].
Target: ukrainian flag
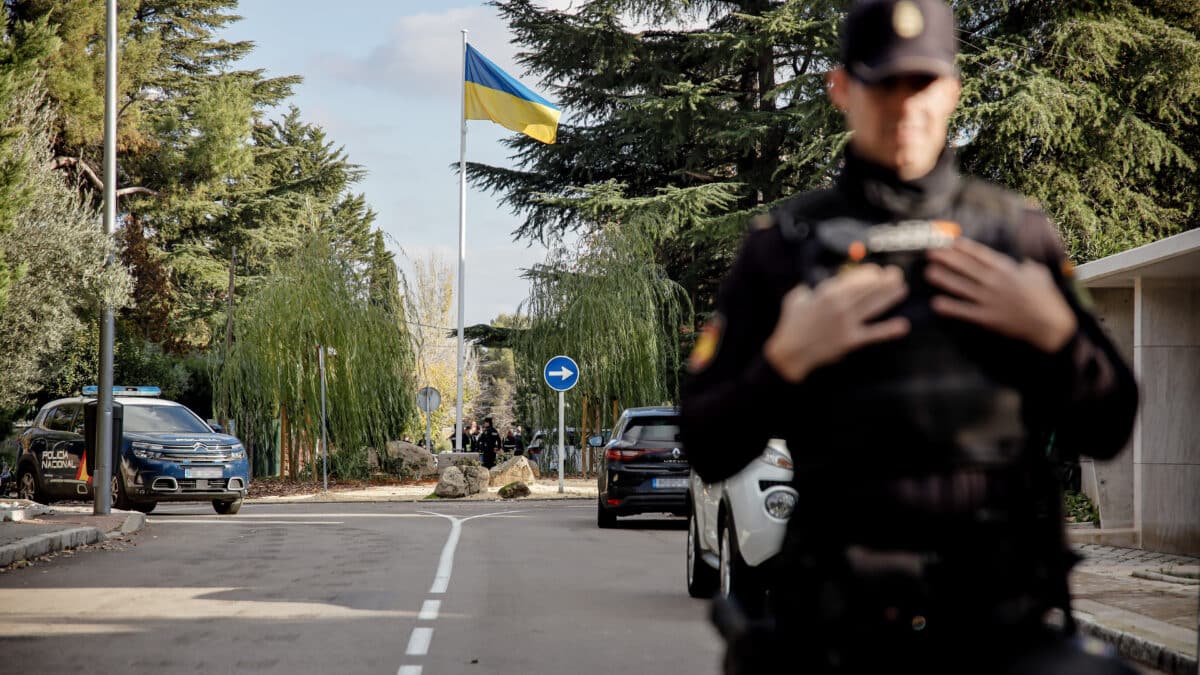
[492, 94]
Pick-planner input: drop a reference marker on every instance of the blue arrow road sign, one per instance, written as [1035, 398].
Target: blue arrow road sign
[561, 373]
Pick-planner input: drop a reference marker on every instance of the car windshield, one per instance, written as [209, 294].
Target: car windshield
[653, 429]
[156, 419]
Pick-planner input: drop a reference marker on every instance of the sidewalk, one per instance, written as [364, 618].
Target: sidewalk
[28, 530]
[543, 488]
[1143, 603]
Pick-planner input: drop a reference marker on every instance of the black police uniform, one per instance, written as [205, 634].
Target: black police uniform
[487, 444]
[928, 529]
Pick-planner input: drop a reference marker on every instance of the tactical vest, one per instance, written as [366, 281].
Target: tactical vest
[929, 400]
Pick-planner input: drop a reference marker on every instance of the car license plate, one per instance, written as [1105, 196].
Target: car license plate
[203, 472]
[670, 483]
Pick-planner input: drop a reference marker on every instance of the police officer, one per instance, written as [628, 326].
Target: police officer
[915, 337]
[488, 443]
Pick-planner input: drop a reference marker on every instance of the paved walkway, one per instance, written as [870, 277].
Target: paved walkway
[1146, 602]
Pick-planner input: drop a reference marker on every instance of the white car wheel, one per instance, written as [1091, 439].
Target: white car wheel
[726, 564]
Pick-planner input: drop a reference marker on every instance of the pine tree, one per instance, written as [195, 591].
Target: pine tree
[1092, 108]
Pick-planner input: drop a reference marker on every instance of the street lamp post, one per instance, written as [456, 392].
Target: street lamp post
[321, 350]
[101, 474]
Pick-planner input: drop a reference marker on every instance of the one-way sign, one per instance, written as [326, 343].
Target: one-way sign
[561, 373]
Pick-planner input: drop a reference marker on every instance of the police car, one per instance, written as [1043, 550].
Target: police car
[162, 452]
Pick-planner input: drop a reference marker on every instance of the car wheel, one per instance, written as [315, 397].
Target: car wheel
[117, 497]
[605, 519]
[227, 508]
[735, 576]
[144, 507]
[28, 487]
[701, 579]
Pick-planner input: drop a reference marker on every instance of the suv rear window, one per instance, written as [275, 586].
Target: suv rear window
[652, 429]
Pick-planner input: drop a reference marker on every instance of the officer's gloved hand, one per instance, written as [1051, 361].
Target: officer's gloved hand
[819, 327]
[1017, 299]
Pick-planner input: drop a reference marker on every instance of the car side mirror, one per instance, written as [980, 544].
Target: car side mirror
[217, 427]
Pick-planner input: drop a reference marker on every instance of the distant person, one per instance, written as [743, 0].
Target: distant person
[488, 443]
[513, 443]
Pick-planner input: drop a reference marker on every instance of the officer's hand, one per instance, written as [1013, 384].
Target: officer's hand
[1019, 300]
[818, 327]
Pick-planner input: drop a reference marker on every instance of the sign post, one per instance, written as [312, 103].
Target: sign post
[428, 399]
[561, 374]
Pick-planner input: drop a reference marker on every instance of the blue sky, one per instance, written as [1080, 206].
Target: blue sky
[382, 77]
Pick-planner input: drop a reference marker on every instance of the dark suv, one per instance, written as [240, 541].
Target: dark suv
[644, 469]
[162, 452]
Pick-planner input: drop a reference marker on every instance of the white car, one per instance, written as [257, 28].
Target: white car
[736, 526]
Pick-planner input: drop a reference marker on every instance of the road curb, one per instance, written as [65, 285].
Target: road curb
[31, 547]
[1139, 648]
[133, 523]
[53, 542]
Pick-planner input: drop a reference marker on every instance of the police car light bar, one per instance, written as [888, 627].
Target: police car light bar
[93, 390]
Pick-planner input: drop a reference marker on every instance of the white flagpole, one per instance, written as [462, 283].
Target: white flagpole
[462, 245]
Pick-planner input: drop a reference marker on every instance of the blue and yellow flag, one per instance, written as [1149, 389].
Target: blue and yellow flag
[492, 94]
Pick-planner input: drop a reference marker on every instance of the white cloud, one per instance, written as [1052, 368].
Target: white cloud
[423, 55]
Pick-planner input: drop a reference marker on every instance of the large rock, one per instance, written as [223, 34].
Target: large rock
[477, 479]
[452, 484]
[512, 471]
[413, 460]
[514, 490]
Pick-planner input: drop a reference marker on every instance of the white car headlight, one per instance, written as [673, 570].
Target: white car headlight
[776, 457]
[239, 452]
[780, 504]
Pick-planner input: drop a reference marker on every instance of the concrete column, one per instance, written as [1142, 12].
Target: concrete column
[1167, 442]
[1109, 484]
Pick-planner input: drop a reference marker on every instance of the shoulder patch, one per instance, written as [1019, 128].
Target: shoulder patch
[707, 344]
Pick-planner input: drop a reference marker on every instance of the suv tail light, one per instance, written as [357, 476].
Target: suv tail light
[619, 455]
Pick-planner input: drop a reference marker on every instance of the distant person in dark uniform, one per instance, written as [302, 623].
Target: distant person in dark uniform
[488, 443]
[513, 443]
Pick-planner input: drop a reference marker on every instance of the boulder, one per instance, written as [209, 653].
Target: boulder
[537, 473]
[413, 460]
[477, 479]
[511, 471]
[452, 484]
[514, 490]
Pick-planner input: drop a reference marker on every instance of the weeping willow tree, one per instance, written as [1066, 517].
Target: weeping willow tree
[271, 378]
[608, 304]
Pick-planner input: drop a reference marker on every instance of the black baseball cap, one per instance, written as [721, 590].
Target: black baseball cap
[885, 38]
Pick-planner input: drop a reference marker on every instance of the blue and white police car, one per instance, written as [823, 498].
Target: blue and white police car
[163, 452]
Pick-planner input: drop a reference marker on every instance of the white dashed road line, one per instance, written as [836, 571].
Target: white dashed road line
[429, 610]
[418, 642]
[441, 581]
[422, 636]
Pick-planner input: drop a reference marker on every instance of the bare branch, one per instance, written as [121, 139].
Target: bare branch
[87, 171]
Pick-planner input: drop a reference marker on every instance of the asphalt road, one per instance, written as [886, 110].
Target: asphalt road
[365, 588]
